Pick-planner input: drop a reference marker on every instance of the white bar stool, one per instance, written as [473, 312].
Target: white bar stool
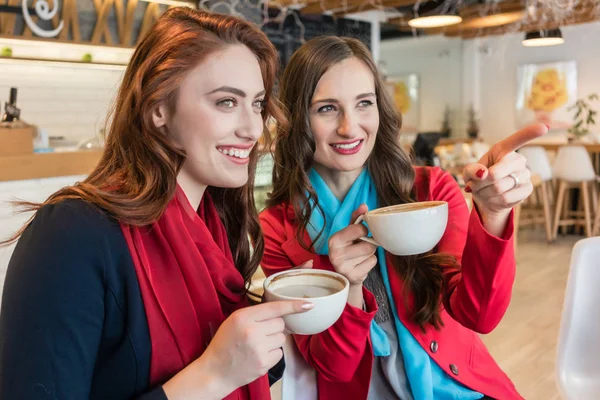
[573, 169]
[539, 165]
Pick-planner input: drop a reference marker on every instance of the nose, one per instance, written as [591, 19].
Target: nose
[348, 126]
[252, 125]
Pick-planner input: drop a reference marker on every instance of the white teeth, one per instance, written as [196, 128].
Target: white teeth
[347, 145]
[235, 153]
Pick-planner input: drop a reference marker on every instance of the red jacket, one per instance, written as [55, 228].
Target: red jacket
[480, 295]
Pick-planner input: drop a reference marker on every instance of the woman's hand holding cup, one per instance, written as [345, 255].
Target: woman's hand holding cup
[352, 257]
[246, 345]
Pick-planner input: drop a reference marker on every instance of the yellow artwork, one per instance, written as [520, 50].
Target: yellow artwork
[545, 93]
[549, 91]
[404, 90]
[401, 97]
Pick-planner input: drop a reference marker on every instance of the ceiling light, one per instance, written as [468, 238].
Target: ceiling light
[433, 14]
[434, 21]
[545, 37]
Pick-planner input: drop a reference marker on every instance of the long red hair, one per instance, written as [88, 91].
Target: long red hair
[136, 176]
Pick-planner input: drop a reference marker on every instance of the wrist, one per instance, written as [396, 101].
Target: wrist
[199, 379]
[494, 221]
[355, 295]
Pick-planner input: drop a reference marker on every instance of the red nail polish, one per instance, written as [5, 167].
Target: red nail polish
[480, 172]
[468, 189]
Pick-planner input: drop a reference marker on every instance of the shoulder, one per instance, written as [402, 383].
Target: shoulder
[75, 216]
[276, 214]
[433, 183]
[75, 222]
[274, 220]
[69, 235]
[433, 177]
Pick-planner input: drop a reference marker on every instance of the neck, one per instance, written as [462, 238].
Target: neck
[192, 189]
[339, 182]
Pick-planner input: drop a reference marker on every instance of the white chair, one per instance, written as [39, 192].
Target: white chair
[573, 168]
[578, 350]
[541, 170]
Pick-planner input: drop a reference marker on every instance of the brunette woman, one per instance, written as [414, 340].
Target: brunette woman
[409, 330]
[132, 283]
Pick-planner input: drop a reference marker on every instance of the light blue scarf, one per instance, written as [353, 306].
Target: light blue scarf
[337, 217]
[427, 380]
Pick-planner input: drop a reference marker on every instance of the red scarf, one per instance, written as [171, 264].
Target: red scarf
[189, 285]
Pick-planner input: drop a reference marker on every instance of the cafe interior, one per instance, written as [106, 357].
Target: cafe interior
[465, 74]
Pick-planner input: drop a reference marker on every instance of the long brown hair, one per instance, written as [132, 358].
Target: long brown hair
[137, 174]
[389, 166]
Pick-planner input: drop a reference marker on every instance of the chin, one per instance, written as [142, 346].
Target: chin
[350, 164]
[230, 182]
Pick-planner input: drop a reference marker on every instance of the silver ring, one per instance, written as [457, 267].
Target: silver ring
[514, 176]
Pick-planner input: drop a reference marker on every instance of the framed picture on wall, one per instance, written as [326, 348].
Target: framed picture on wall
[545, 92]
[405, 93]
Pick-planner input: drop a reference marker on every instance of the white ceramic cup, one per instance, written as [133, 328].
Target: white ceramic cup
[407, 229]
[327, 290]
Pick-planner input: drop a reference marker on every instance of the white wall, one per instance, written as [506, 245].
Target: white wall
[498, 83]
[438, 62]
[483, 72]
[69, 100]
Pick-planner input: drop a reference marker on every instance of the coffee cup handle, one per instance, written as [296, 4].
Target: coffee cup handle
[359, 220]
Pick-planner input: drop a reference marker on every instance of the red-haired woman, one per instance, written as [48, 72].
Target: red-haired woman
[131, 284]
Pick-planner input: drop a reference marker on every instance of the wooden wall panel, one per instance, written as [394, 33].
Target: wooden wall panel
[119, 13]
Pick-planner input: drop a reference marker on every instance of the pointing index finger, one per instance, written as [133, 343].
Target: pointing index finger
[517, 140]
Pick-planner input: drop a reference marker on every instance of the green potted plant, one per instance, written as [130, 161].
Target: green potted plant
[584, 117]
[472, 127]
[6, 52]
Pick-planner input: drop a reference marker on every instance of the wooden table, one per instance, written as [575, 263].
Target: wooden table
[46, 165]
[554, 146]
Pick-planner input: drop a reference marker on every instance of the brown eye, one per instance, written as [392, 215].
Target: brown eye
[325, 109]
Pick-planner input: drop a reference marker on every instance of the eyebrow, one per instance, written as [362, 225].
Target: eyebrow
[232, 90]
[360, 96]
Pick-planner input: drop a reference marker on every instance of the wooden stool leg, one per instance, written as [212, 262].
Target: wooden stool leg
[547, 215]
[562, 188]
[586, 208]
[595, 196]
[566, 206]
[596, 228]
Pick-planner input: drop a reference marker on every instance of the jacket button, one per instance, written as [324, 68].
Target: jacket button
[454, 369]
[433, 346]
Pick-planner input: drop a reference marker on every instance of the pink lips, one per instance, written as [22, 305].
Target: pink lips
[237, 153]
[347, 150]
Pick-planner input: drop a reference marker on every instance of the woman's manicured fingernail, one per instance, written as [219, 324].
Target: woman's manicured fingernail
[468, 189]
[308, 306]
[480, 172]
